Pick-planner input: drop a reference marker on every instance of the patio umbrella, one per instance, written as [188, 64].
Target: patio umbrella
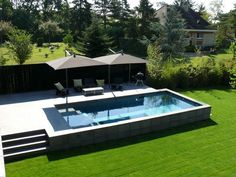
[119, 59]
[73, 61]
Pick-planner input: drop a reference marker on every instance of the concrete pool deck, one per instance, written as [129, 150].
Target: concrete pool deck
[36, 110]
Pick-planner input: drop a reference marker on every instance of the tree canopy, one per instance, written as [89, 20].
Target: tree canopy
[72, 20]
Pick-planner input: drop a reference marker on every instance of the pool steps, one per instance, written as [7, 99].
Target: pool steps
[17, 146]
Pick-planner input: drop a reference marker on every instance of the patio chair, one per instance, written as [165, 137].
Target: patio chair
[60, 90]
[117, 84]
[89, 82]
[100, 82]
[78, 85]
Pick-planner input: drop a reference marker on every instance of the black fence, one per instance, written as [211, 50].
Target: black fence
[36, 77]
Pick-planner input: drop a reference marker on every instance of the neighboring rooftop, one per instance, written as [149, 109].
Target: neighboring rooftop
[192, 19]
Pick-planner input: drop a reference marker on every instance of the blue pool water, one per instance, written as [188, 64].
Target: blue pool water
[105, 111]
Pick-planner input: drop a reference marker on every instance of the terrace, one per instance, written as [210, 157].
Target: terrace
[31, 124]
[31, 107]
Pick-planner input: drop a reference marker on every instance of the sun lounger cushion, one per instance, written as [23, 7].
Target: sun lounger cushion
[59, 86]
[100, 82]
[78, 83]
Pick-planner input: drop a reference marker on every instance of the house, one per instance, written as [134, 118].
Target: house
[200, 34]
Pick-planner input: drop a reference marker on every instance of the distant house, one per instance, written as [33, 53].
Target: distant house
[199, 32]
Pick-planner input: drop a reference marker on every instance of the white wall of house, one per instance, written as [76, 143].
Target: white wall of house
[161, 15]
[209, 39]
[201, 38]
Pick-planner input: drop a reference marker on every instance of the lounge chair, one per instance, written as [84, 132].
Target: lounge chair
[60, 90]
[89, 82]
[100, 83]
[78, 85]
[117, 84]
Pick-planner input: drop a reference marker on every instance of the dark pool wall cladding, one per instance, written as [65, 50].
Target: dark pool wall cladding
[125, 129]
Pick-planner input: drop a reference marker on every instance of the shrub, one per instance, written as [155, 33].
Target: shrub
[233, 77]
[20, 45]
[182, 77]
[233, 48]
[190, 48]
[39, 42]
[68, 39]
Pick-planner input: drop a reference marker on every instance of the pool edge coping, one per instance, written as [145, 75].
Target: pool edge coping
[84, 129]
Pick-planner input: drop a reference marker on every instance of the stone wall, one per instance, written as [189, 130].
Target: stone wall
[102, 133]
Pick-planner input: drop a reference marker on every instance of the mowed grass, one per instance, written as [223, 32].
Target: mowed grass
[222, 55]
[206, 148]
[38, 54]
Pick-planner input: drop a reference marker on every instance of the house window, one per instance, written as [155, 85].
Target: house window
[199, 35]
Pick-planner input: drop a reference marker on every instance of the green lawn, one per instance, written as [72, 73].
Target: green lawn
[226, 54]
[201, 149]
[38, 55]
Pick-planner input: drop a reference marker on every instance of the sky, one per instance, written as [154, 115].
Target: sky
[227, 4]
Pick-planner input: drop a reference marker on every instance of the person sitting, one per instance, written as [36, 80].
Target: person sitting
[139, 78]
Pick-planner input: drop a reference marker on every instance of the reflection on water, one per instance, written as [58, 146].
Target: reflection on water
[117, 109]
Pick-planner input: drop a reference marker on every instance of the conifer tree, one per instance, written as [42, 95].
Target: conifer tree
[94, 42]
[146, 13]
[81, 16]
[172, 36]
[102, 8]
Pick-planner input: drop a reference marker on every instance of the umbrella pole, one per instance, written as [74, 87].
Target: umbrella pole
[67, 96]
[66, 85]
[109, 75]
[129, 71]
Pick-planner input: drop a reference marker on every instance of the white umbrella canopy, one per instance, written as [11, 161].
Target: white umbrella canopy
[119, 59]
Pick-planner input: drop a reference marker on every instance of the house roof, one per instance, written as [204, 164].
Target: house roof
[192, 19]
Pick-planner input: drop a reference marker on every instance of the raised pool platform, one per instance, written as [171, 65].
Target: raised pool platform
[35, 117]
[130, 127]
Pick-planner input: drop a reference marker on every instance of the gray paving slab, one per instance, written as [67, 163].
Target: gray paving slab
[36, 110]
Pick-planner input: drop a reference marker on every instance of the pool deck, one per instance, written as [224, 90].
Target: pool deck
[36, 110]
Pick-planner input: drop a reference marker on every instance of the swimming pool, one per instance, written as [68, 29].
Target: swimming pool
[99, 112]
[102, 120]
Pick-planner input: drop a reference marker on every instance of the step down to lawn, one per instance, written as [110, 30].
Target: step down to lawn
[24, 154]
[25, 144]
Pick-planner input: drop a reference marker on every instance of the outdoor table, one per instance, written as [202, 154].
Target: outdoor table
[92, 91]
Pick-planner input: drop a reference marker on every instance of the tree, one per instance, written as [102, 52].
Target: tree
[201, 9]
[94, 42]
[146, 13]
[50, 28]
[6, 10]
[102, 8]
[68, 39]
[226, 31]
[119, 20]
[20, 45]
[185, 4]
[5, 28]
[172, 35]
[81, 16]
[216, 9]
[233, 48]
